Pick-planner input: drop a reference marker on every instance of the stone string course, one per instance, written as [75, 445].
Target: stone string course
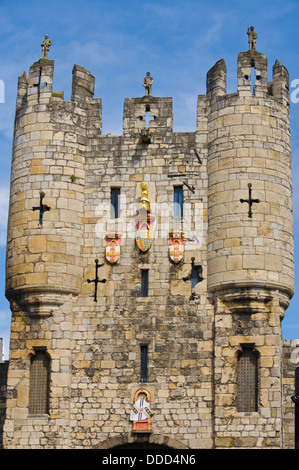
[193, 335]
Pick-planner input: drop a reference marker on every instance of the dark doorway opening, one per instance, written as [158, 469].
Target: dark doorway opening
[141, 445]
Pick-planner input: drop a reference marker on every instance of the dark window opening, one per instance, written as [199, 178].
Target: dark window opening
[178, 201]
[143, 351]
[144, 283]
[115, 203]
[196, 274]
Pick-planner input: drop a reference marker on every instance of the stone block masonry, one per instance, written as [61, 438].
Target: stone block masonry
[218, 282]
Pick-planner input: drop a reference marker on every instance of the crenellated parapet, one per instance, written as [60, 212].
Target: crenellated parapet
[249, 165]
[252, 79]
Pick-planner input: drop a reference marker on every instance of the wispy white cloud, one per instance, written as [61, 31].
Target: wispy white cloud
[5, 316]
[4, 202]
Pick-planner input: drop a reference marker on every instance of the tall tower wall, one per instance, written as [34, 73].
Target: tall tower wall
[44, 252]
[249, 143]
[49, 147]
[250, 244]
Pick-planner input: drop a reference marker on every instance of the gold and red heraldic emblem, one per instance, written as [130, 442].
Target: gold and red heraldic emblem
[113, 241]
[176, 246]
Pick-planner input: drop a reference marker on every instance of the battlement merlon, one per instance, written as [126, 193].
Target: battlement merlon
[82, 84]
[252, 69]
[216, 80]
[40, 81]
[280, 84]
[36, 89]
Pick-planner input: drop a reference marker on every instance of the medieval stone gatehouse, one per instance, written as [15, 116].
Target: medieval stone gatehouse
[148, 273]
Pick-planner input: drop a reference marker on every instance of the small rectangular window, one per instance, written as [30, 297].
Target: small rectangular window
[178, 201]
[144, 282]
[115, 203]
[143, 351]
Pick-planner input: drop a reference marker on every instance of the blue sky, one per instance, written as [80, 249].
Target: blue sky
[178, 41]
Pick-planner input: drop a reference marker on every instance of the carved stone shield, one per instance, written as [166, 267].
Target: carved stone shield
[144, 221]
[176, 246]
[113, 241]
[144, 231]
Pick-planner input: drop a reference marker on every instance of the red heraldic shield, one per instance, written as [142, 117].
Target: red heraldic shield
[176, 246]
[113, 241]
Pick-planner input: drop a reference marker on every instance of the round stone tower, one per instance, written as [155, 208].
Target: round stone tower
[250, 238]
[45, 232]
[250, 185]
[44, 268]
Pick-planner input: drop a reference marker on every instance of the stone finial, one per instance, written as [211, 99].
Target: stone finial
[45, 47]
[147, 83]
[251, 38]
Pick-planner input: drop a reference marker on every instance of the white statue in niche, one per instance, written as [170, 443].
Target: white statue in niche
[141, 413]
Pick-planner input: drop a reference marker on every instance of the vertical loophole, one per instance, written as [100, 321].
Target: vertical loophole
[143, 351]
[144, 283]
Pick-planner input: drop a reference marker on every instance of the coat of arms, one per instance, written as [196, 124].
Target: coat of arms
[113, 241]
[144, 221]
[176, 246]
[141, 413]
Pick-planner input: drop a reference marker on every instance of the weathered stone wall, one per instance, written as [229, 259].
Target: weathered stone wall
[250, 254]
[249, 143]
[192, 333]
[44, 261]
[290, 361]
[176, 326]
[3, 385]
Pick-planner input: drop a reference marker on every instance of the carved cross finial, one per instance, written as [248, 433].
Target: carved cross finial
[46, 46]
[251, 38]
[147, 83]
